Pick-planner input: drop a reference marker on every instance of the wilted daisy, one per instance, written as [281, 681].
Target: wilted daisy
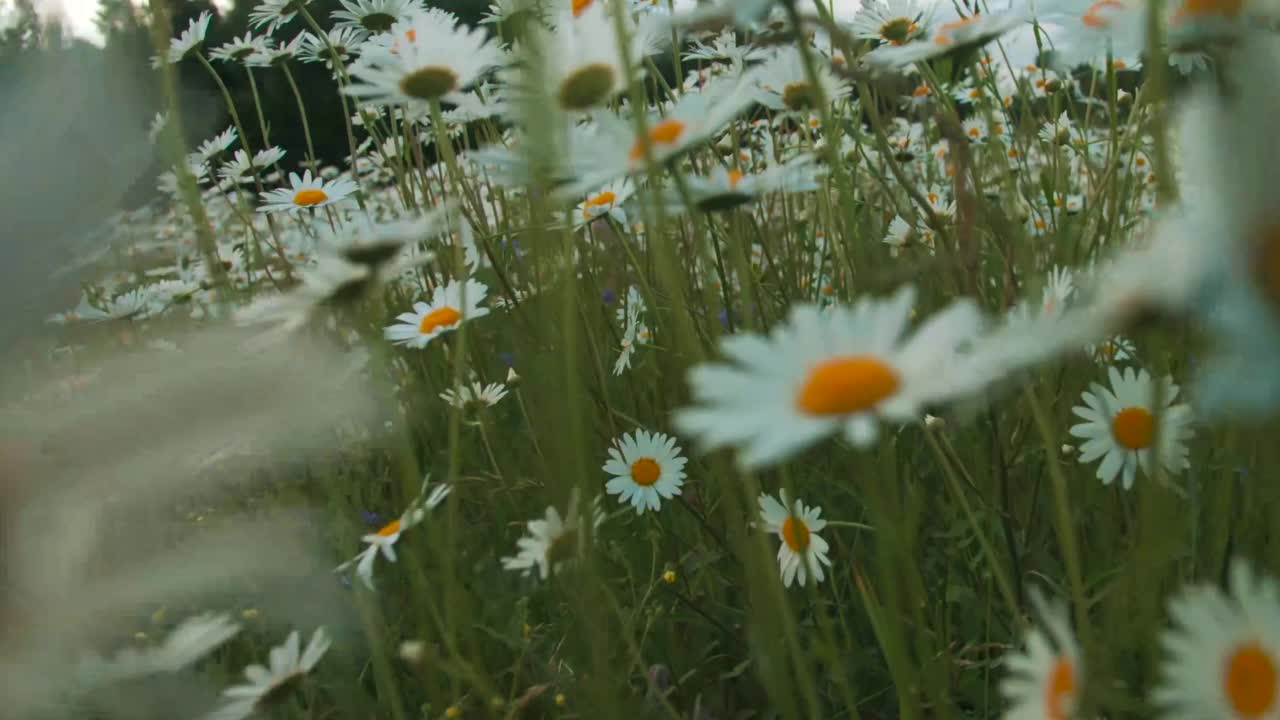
[634, 330]
[1122, 428]
[384, 540]
[450, 306]
[269, 685]
[553, 541]
[306, 192]
[1046, 679]
[894, 22]
[1223, 652]
[427, 56]
[842, 369]
[644, 469]
[374, 16]
[802, 552]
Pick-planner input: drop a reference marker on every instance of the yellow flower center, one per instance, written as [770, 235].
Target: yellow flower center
[1060, 691]
[665, 132]
[845, 385]
[604, 199]
[429, 83]
[438, 318]
[1134, 428]
[645, 471]
[795, 533]
[378, 22]
[1250, 681]
[307, 198]
[944, 36]
[390, 528]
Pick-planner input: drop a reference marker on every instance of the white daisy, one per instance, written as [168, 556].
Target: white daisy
[1223, 653]
[608, 201]
[1120, 426]
[426, 56]
[645, 468]
[450, 306]
[271, 14]
[384, 540]
[475, 395]
[189, 40]
[802, 552]
[839, 369]
[1057, 291]
[268, 685]
[554, 541]
[1045, 680]
[374, 16]
[305, 193]
[725, 189]
[894, 22]
[239, 49]
[969, 31]
[784, 84]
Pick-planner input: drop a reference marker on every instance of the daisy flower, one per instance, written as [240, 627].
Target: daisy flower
[965, 32]
[271, 14]
[342, 41]
[384, 540]
[893, 22]
[644, 469]
[189, 40]
[450, 306]
[839, 369]
[725, 189]
[611, 148]
[305, 192]
[475, 395]
[1057, 291]
[1045, 679]
[374, 16]
[607, 202]
[553, 541]
[267, 685]
[1120, 426]
[1223, 653]
[785, 85]
[634, 331]
[239, 49]
[426, 56]
[584, 59]
[1087, 30]
[802, 552]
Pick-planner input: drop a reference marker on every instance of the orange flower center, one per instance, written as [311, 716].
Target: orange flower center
[580, 6]
[438, 318]
[795, 533]
[665, 132]
[307, 198]
[845, 385]
[920, 91]
[1094, 17]
[1060, 691]
[604, 199]
[390, 528]
[1192, 9]
[735, 177]
[1250, 681]
[645, 472]
[1134, 428]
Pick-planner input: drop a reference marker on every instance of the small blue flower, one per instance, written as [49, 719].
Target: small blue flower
[609, 296]
[371, 518]
[507, 359]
